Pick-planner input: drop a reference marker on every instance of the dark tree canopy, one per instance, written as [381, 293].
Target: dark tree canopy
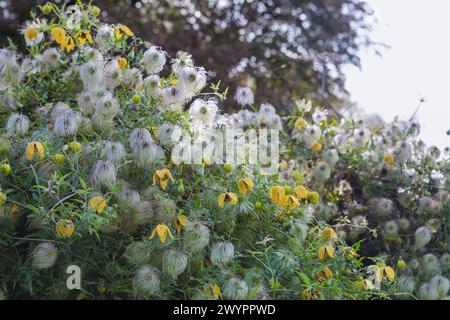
[281, 48]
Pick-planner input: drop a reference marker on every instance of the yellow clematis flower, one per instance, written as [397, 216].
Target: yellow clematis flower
[329, 234]
[300, 124]
[278, 195]
[162, 231]
[58, 34]
[325, 274]
[122, 63]
[227, 197]
[213, 290]
[245, 185]
[121, 31]
[313, 197]
[163, 176]
[300, 192]
[34, 148]
[325, 253]
[68, 44]
[366, 284]
[179, 222]
[83, 36]
[291, 202]
[97, 204]
[382, 272]
[389, 159]
[65, 228]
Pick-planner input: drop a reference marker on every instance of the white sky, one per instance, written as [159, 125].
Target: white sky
[416, 65]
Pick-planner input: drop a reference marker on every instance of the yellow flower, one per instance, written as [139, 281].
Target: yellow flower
[300, 192]
[97, 204]
[31, 33]
[122, 63]
[163, 176]
[278, 195]
[83, 36]
[325, 274]
[329, 234]
[65, 228]
[283, 165]
[227, 197]
[291, 202]
[68, 44]
[2, 198]
[382, 272]
[313, 197]
[245, 185]
[162, 231]
[213, 290]
[179, 222]
[34, 148]
[325, 253]
[58, 34]
[121, 31]
[366, 284]
[389, 159]
[300, 123]
[316, 147]
[351, 253]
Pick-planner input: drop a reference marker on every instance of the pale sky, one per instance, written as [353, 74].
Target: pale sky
[417, 65]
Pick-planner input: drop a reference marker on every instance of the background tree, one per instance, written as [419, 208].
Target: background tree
[283, 49]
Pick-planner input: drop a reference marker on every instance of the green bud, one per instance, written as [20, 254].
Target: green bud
[5, 145]
[47, 8]
[5, 169]
[75, 146]
[401, 264]
[95, 10]
[258, 205]
[59, 158]
[136, 99]
[228, 167]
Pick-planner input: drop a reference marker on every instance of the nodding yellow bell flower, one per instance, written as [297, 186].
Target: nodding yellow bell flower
[300, 192]
[162, 231]
[325, 274]
[245, 185]
[82, 36]
[291, 202]
[383, 272]
[179, 222]
[316, 147]
[34, 148]
[213, 290]
[278, 195]
[123, 63]
[313, 197]
[366, 284]
[65, 228]
[227, 197]
[163, 176]
[68, 44]
[329, 234]
[97, 204]
[389, 159]
[300, 124]
[3, 198]
[121, 31]
[283, 165]
[31, 33]
[58, 34]
[325, 253]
